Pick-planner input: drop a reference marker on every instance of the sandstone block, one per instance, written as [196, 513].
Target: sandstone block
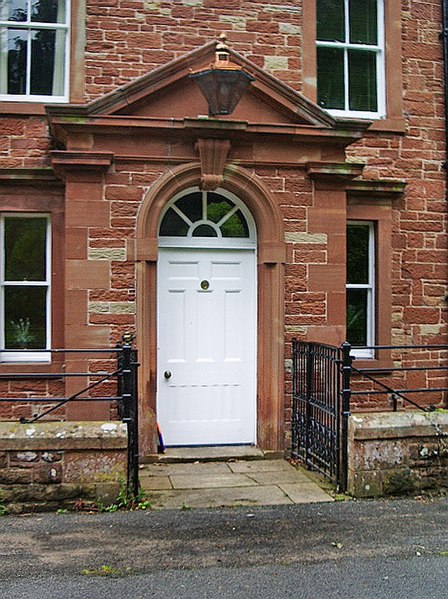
[48, 474]
[3, 459]
[12, 476]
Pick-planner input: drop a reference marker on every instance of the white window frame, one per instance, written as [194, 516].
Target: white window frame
[28, 26]
[370, 286]
[379, 50]
[25, 355]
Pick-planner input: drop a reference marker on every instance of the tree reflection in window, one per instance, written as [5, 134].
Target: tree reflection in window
[204, 214]
[33, 35]
[24, 282]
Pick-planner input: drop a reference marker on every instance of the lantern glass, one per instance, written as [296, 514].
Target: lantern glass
[222, 88]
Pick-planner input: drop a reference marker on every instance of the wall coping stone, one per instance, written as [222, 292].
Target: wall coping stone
[393, 425]
[83, 435]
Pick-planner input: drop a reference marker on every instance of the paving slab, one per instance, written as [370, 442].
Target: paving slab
[148, 483]
[231, 483]
[214, 498]
[275, 478]
[305, 492]
[207, 481]
[261, 466]
[185, 468]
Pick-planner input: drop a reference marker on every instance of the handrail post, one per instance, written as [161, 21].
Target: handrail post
[129, 374]
[134, 394]
[394, 398]
[294, 435]
[346, 394]
[310, 357]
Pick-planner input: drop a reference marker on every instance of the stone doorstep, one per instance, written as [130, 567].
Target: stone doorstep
[218, 453]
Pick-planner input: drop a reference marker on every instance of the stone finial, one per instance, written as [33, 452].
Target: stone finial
[222, 53]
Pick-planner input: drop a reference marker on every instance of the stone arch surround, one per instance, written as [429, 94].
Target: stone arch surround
[271, 255]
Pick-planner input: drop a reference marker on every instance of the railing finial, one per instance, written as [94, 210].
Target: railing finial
[127, 337]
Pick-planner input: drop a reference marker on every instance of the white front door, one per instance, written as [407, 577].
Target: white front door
[206, 346]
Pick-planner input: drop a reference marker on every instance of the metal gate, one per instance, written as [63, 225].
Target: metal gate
[319, 425]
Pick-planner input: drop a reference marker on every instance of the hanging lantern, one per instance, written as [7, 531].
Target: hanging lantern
[224, 83]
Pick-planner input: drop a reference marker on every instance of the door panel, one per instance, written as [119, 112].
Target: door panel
[207, 341]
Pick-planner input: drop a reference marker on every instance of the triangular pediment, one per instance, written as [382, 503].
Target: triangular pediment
[169, 92]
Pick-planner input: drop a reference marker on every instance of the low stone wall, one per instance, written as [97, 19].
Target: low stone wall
[56, 464]
[395, 453]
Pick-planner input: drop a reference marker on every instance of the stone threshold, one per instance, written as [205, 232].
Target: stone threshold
[215, 453]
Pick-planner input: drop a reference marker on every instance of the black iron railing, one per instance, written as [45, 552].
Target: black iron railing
[426, 364]
[120, 378]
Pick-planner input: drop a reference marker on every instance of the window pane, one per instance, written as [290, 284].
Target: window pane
[363, 22]
[235, 226]
[45, 80]
[17, 42]
[191, 206]
[358, 254]
[357, 316]
[25, 249]
[217, 207]
[330, 78]
[362, 81]
[25, 317]
[173, 225]
[205, 231]
[330, 20]
[13, 10]
[48, 11]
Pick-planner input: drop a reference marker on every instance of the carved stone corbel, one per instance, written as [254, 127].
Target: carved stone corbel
[212, 155]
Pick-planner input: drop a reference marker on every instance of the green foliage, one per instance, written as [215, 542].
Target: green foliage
[3, 507]
[340, 497]
[21, 331]
[103, 571]
[126, 501]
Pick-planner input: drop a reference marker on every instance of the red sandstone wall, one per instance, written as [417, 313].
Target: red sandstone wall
[125, 39]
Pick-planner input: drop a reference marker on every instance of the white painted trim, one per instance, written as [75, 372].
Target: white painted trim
[370, 286]
[207, 242]
[29, 25]
[378, 49]
[19, 355]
